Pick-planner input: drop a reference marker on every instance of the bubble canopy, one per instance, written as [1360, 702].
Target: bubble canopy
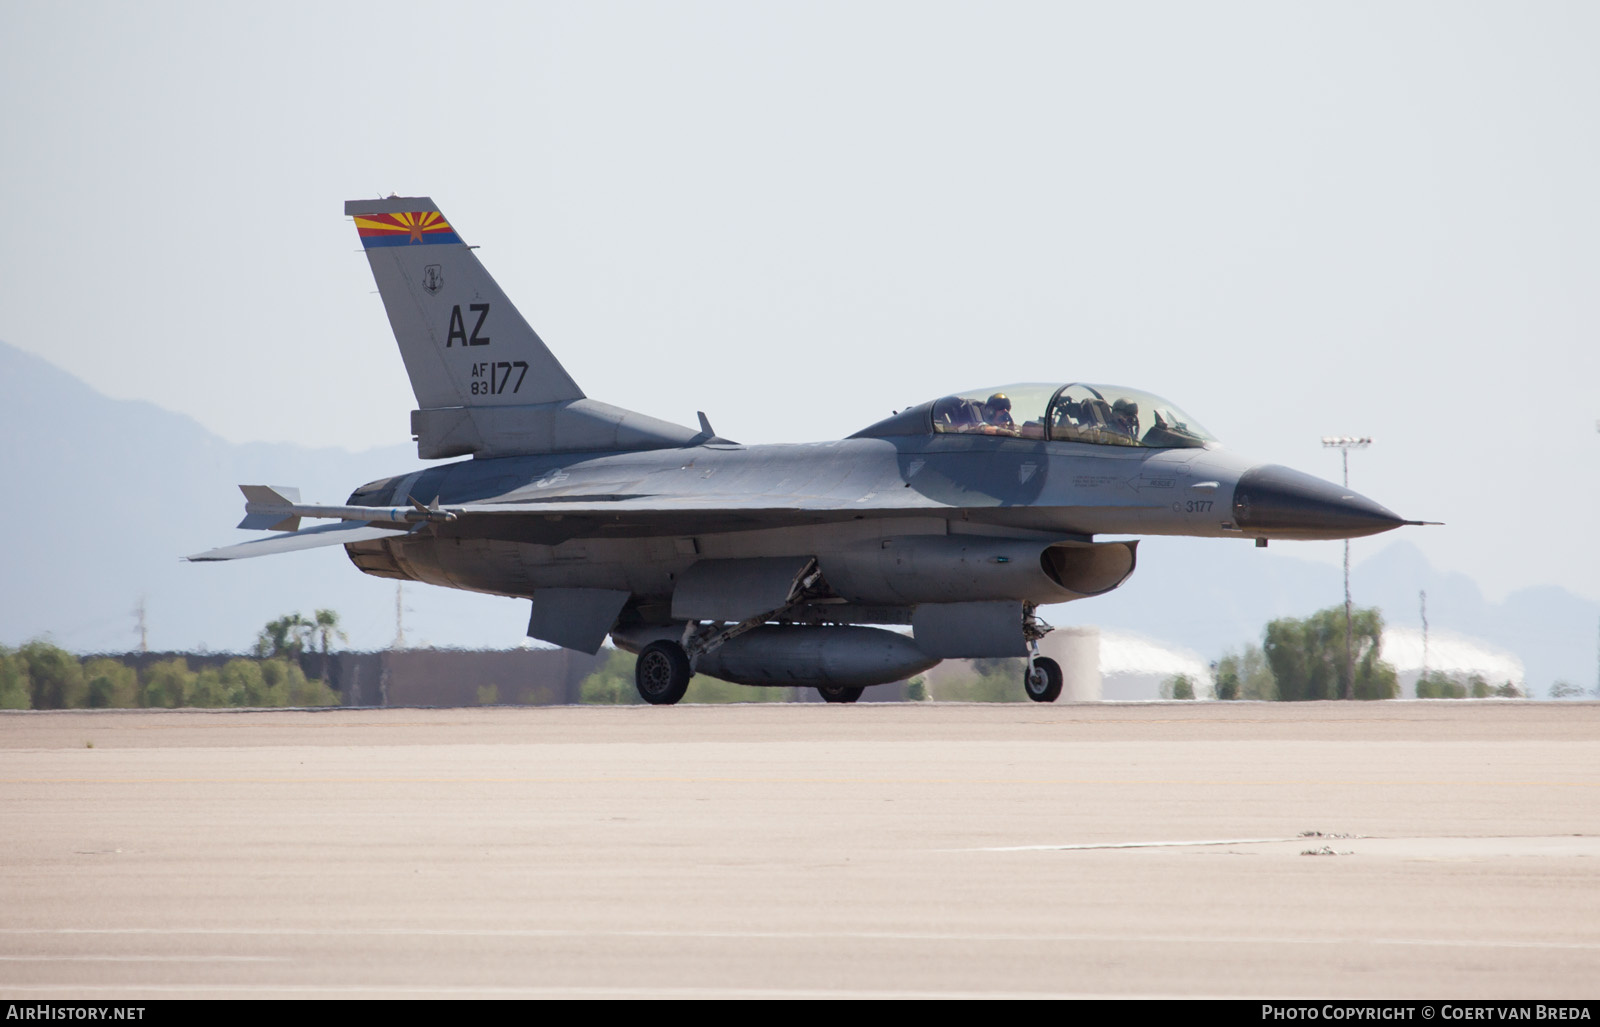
[1102, 415]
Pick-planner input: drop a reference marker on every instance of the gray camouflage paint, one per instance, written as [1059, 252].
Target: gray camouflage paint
[566, 493]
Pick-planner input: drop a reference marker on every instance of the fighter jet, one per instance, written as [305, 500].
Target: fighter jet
[766, 564]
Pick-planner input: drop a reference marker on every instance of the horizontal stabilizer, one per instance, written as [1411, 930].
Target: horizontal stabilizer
[326, 535]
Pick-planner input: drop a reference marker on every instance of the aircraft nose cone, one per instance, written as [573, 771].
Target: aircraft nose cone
[1289, 504]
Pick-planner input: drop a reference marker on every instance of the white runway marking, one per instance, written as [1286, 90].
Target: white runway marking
[143, 959]
[903, 936]
[1127, 845]
[1414, 847]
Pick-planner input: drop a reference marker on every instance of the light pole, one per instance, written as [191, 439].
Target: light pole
[1423, 595]
[1345, 443]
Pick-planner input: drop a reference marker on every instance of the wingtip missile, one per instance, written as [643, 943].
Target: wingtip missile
[266, 508]
[276, 508]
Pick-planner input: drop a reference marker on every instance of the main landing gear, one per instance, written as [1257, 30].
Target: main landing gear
[663, 670]
[664, 667]
[662, 673]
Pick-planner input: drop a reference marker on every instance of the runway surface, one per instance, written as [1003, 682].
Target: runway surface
[916, 850]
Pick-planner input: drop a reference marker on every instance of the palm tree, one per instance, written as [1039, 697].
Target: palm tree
[286, 636]
[324, 630]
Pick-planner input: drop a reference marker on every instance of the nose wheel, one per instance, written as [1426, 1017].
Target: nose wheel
[662, 673]
[1042, 679]
[839, 693]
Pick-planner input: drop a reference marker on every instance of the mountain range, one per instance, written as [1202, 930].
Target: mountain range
[107, 495]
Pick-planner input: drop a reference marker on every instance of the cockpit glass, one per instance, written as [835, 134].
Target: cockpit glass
[1110, 415]
[1014, 410]
[1105, 415]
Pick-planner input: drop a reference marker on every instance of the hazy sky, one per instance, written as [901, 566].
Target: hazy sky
[1292, 219]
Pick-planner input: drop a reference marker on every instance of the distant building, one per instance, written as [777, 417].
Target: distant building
[1078, 651]
[1104, 665]
[1135, 667]
[461, 677]
[525, 676]
[1456, 655]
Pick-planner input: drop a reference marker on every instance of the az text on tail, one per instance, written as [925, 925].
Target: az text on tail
[486, 384]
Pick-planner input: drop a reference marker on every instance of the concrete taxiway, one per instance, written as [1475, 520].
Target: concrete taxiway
[1446, 849]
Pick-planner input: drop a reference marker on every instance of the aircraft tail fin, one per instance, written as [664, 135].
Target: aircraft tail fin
[464, 343]
[485, 382]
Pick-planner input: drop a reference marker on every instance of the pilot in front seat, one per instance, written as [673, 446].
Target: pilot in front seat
[997, 415]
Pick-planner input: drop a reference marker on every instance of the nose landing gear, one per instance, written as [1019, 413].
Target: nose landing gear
[1041, 676]
[1041, 679]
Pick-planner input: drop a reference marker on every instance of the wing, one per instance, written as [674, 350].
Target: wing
[311, 538]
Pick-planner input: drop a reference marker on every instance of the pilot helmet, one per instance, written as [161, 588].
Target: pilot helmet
[999, 401]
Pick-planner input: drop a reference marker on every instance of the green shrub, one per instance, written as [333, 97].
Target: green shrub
[16, 693]
[55, 677]
[288, 685]
[991, 680]
[1245, 675]
[211, 690]
[244, 684]
[611, 684]
[1179, 686]
[1439, 685]
[111, 684]
[1307, 656]
[167, 684]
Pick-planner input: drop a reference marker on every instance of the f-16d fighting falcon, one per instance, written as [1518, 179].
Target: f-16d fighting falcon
[773, 564]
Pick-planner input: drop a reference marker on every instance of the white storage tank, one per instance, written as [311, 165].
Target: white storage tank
[1077, 649]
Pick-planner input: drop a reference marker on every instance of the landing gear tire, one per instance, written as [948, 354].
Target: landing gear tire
[662, 673]
[839, 693]
[1042, 681]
